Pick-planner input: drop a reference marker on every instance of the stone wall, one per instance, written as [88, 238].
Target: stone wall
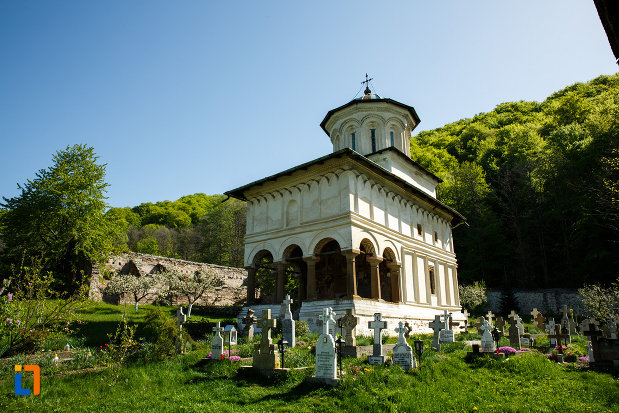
[233, 292]
[547, 301]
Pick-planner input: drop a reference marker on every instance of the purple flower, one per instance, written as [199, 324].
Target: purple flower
[6, 282]
[9, 296]
[586, 358]
[235, 358]
[507, 350]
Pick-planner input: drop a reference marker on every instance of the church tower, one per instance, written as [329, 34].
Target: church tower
[359, 228]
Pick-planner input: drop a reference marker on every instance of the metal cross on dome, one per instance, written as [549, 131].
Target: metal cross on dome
[367, 81]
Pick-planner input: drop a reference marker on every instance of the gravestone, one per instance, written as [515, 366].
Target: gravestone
[566, 323]
[217, 343]
[538, 321]
[499, 323]
[611, 326]
[288, 324]
[446, 335]
[479, 324]
[437, 325]
[248, 324]
[551, 328]
[514, 333]
[402, 352]
[589, 328]
[559, 337]
[230, 335]
[265, 355]
[349, 323]
[487, 342]
[332, 323]
[466, 320]
[326, 366]
[378, 326]
[520, 326]
[534, 313]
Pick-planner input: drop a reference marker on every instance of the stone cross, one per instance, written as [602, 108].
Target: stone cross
[539, 321]
[466, 320]
[534, 313]
[479, 323]
[266, 324]
[513, 315]
[378, 326]
[490, 317]
[248, 321]
[551, 327]
[402, 352]
[446, 317]
[349, 323]
[217, 343]
[566, 323]
[487, 342]
[285, 308]
[514, 333]
[446, 335]
[180, 318]
[325, 317]
[436, 325]
[265, 356]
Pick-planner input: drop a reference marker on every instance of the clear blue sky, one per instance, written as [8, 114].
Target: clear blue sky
[205, 96]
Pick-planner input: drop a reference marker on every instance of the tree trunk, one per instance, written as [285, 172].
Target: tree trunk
[189, 310]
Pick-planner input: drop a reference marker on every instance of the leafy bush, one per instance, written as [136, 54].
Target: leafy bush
[473, 296]
[164, 335]
[599, 301]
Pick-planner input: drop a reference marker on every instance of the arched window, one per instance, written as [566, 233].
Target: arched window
[353, 143]
[392, 138]
[373, 135]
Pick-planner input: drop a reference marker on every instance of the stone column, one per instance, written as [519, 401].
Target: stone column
[426, 275]
[351, 273]
[311, 276]
[440, 300]
[375, 275]
[415, 278]
[251, 285]
[302, 284]
[280, 269]
[454, 274]
[394, 274]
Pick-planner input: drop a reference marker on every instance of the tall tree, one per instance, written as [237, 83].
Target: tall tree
[59, 216]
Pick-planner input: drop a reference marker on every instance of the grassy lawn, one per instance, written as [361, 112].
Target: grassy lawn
[445, 382]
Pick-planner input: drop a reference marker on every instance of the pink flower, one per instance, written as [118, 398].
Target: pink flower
[9, 296]
[9, 321]
[235, 358]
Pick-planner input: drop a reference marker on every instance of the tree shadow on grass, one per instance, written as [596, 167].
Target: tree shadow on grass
[300, 391]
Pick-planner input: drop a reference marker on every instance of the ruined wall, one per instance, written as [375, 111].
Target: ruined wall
[232, 293]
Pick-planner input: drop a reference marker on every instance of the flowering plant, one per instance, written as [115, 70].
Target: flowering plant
[508, 351]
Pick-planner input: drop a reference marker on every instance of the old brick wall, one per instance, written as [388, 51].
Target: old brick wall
[232, 293]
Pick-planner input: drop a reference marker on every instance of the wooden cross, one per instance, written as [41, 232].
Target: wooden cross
[325, 317]
[490, 317]
[592, 331]
[539, 321]
[378, 326]
[266, 324]
[559, 336]
[499, 324]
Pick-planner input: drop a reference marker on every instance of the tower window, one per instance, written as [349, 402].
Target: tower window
[419, 229]
[373, 134]
[352, 139]
[392, 138]
[435, 236]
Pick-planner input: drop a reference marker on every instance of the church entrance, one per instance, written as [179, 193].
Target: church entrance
[295, 275]
[364, 272]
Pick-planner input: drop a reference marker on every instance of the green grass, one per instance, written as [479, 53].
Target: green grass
[445, 382]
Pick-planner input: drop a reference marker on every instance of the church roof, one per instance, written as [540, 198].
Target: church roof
[374, 99]
[239, 193]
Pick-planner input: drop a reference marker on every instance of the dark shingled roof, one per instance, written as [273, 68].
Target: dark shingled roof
[410, 109]
[457, 218]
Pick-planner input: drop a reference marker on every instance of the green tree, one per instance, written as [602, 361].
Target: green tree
[60, 216]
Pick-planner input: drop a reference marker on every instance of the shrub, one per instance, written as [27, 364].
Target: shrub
[473, 296]
[599, 301]
[164, 334]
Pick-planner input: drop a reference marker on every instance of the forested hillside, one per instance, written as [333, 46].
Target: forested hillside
[538, 183]
[195, 227]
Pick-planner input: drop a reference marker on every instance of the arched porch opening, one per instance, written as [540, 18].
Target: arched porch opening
[330, 270]
[295, 274]
[389, 271]
[363, 270]
[264, 277]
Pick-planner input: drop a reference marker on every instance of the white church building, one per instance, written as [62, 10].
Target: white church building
[360, 228]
